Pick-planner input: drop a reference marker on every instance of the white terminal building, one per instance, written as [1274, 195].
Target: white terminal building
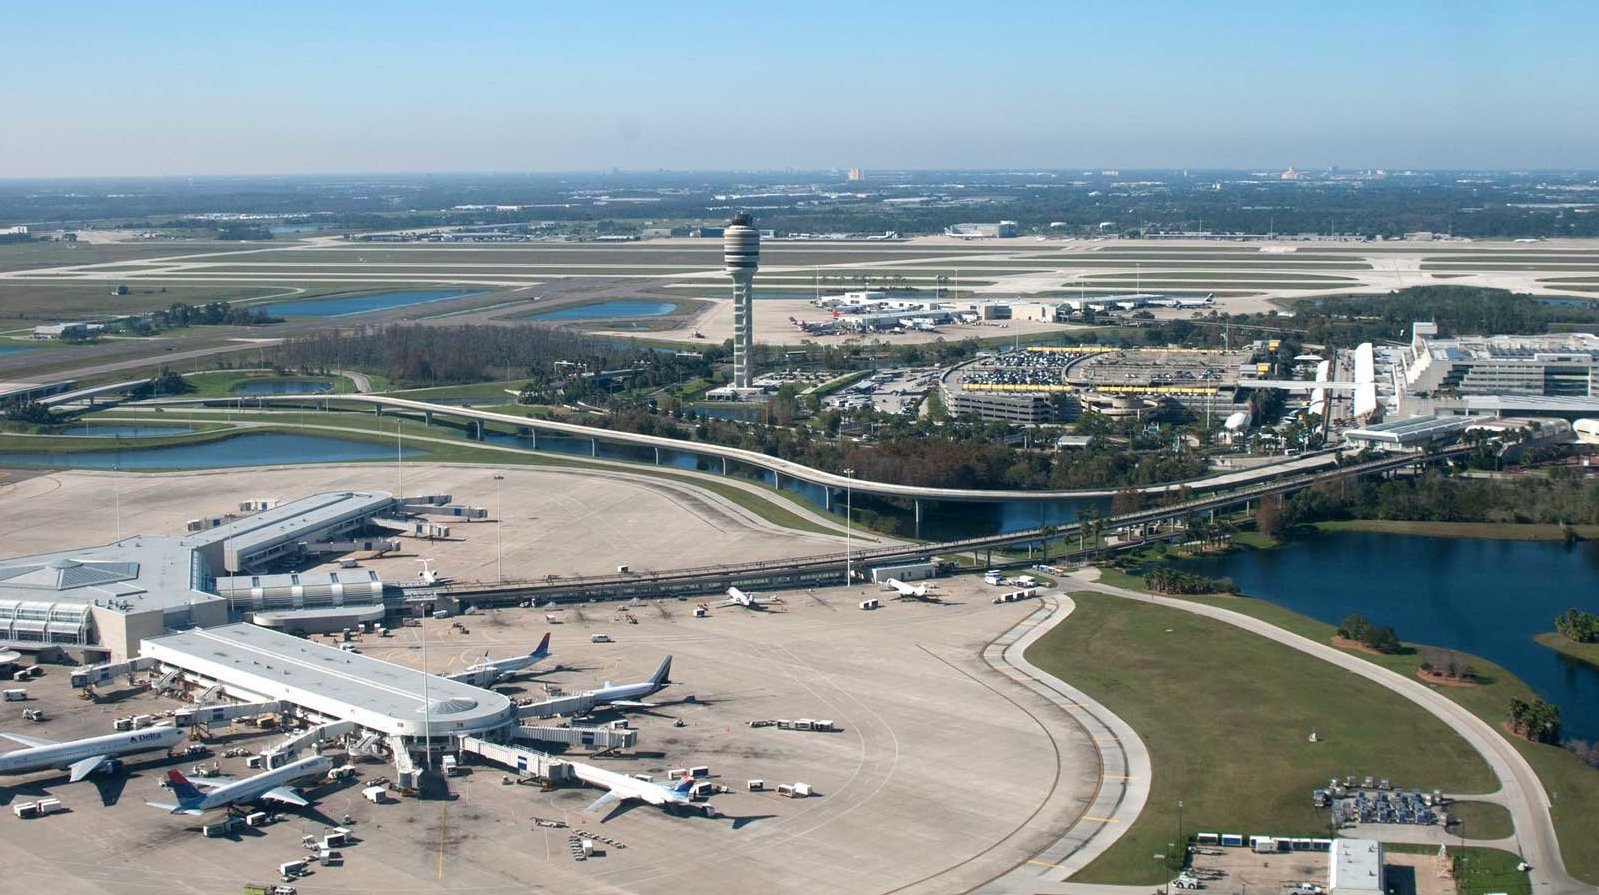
[1554, 374]
[98, 603]
[255, 664]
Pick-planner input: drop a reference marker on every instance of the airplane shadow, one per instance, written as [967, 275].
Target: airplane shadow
[621, 808]
[739, 822]
[111, 788]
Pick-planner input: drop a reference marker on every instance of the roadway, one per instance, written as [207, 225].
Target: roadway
[780, 467]
[1520, 790]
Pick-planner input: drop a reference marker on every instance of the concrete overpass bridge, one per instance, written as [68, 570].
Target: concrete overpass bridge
[829, 569]
[833, 485]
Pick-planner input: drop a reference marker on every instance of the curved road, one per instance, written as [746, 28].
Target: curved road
[786, 467]
[1520, 788]
[1124, 765]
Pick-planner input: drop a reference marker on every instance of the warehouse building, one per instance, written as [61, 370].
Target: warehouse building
[1354, 867]
[99, 602]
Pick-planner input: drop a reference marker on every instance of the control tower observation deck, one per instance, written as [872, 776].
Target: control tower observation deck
[741, 252]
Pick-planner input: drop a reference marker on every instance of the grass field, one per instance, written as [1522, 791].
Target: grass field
[1572, 786]
[1226, 714]
[31, 303]
[1560, 643]
[1480, 820]
[1499, 531]
[32, 255]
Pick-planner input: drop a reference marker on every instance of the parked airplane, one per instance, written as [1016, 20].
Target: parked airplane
[628, 695]
[622, 787]
[1180, 302]
[736, 597]
[429, 575]
[488, 671]
[907, 590]
[86, 756]
[268, 786]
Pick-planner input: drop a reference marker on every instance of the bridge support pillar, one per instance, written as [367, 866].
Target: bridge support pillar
[482, 430]
[918, 503]
[594, 447]
[377, 409]
[777, 480]
[827, 498]
[533, 434]
[427, 417]
[657, 456]
[724, 466]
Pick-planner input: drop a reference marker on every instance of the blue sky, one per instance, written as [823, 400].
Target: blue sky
[161, 88]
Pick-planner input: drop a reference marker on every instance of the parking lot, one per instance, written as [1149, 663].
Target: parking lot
[930, 765]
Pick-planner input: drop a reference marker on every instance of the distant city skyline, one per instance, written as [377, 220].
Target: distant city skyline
[187, 88]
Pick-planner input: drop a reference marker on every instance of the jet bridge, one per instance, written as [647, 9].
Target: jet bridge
[284, 752]
[99, 674]
[600, 739]
[518, 759]
[226, 714]
[580, 704]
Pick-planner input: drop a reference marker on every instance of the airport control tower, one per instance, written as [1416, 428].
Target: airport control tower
[741, 251]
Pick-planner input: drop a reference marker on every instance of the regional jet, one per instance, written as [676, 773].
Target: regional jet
[489, 671]
[86, 756]
[268, 786]
[736, 597]
[628, 695]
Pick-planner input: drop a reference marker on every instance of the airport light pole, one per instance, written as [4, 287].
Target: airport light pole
[849, 489]
[499, 528]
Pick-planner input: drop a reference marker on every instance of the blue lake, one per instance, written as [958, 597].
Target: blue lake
[360, 304]
[14, 349]
[283, 387]
[261, 449]
[1478, 596]
[620, 309]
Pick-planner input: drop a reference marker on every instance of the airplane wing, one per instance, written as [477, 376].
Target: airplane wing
[86, 766]
[27, 740]
[285, 795]
[632, 704]
[723, 604]
[603, 802]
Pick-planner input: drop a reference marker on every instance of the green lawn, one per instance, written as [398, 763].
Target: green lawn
[1560, 643]
[1226, 714]
[1499, 531]
[1572, 786]
[1480, 820]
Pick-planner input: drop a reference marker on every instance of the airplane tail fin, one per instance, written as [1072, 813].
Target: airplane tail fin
[684, 784]
[543, 648]
[663, 675]
[188, 795]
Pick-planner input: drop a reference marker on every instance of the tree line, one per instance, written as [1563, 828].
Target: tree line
[1363, 631]
[1583, 627]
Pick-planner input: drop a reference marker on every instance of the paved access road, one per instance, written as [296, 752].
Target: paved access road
[1521, 790]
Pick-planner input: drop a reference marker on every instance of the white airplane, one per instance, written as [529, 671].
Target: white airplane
[918, 591]
[1180, 302]
[428, 575]
[488, 671]
[86, 756]
[736, 597]
[268, 786]
[622, 787]
[628, 695]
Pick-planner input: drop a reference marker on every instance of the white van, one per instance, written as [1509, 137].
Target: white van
[601, 638]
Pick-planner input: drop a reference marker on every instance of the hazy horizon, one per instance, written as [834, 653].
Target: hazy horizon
[405, 88]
